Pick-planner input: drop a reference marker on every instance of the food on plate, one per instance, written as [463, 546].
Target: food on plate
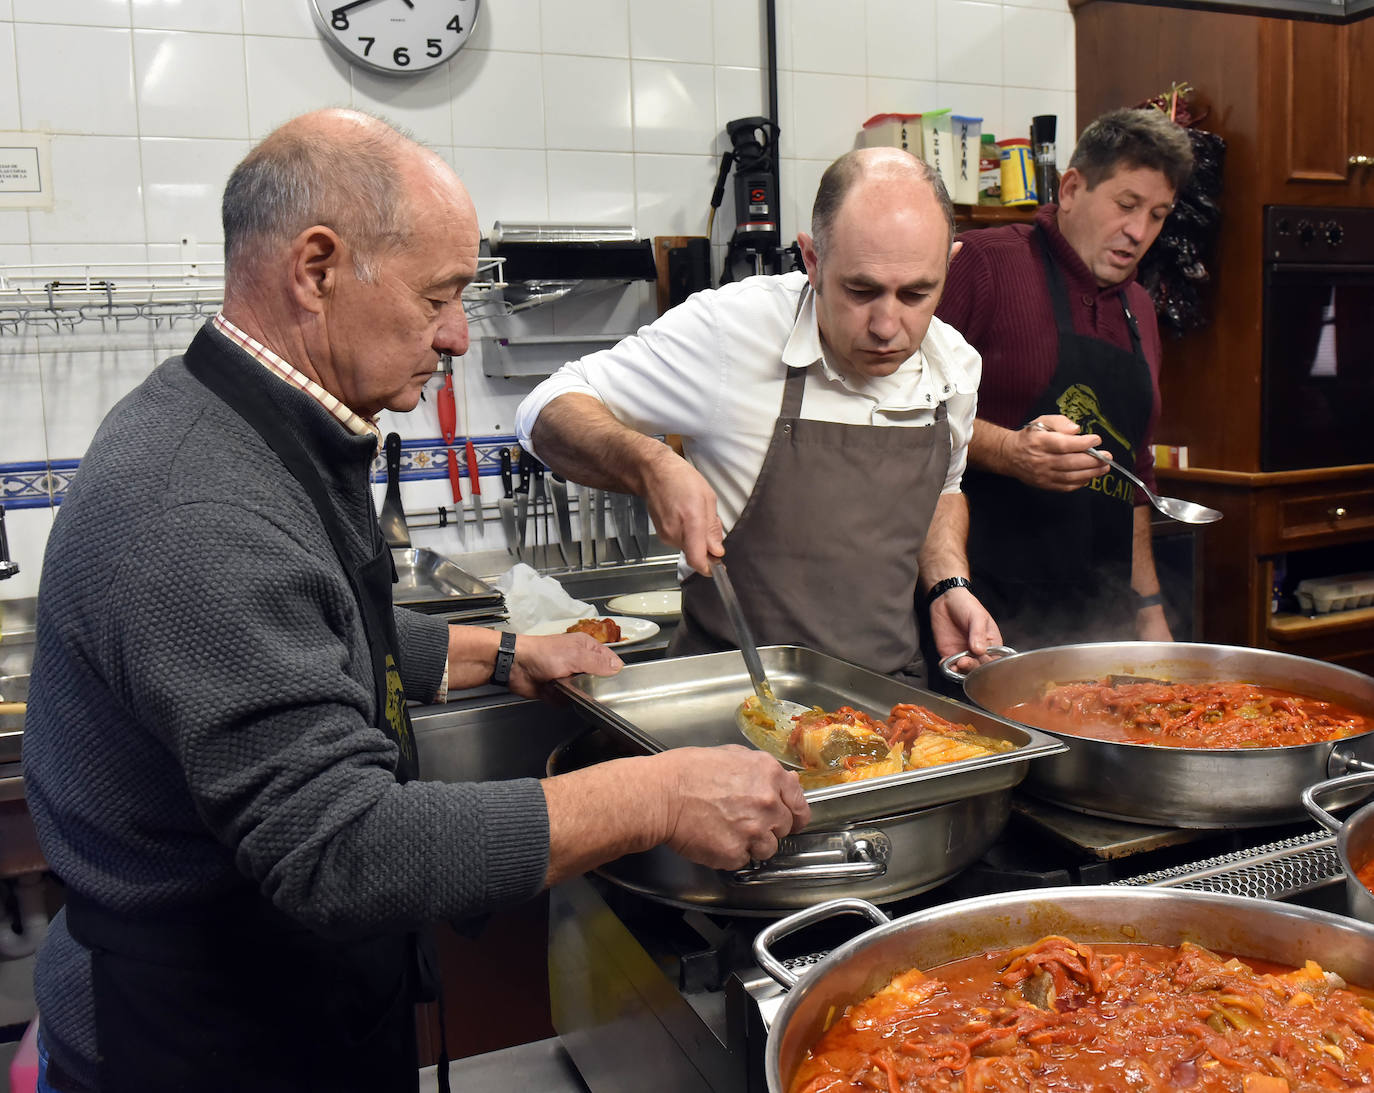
[1226, 714]
[846, 745]
[1061, 1015]
[604, 630]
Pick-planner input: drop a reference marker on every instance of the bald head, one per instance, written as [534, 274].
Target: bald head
[889, 168]
[343, 169]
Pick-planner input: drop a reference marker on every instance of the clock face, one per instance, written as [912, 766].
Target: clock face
[396, 37]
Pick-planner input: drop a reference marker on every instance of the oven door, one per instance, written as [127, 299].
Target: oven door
[1318, 365]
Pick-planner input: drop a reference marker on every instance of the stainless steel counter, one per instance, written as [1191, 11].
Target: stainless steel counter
[543, 1065]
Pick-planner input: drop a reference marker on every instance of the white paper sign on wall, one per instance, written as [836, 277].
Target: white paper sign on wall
[25, 171]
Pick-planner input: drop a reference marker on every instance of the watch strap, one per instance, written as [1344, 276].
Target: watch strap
[1154, 599]
[939, 588]
[505, 660]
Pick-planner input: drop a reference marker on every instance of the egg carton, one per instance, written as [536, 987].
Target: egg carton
[1322, 595]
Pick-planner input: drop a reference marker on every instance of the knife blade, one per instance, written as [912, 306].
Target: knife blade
[639, 510]
[586, 548]
[506, 505]
[620, 517]
[600, 548]
[559, 488]
[541, 504]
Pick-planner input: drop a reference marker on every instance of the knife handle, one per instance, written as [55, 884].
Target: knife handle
[448, 412]
[506, 478]
[526, 464]
[455, 477]
[474, 478]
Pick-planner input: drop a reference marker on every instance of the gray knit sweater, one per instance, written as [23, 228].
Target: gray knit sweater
[202, 701]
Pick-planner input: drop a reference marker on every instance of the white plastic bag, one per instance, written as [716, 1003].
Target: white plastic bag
[532, 599]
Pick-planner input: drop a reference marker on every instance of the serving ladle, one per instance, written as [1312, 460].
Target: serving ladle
[1188, 512]
[779, 710]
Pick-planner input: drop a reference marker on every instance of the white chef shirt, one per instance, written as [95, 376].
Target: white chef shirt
[708, 370]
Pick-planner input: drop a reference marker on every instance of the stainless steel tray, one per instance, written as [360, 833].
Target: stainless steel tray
[427, 581]
[691, 701]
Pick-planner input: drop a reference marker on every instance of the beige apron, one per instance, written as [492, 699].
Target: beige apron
[824, 553]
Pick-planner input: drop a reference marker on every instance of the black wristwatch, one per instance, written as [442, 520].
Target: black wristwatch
[939, 588]
[505, 660]
[1154, 599]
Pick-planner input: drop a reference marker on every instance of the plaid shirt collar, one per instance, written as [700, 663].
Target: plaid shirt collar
[353, 422]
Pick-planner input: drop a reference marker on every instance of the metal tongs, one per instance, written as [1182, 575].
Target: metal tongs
[779, 711]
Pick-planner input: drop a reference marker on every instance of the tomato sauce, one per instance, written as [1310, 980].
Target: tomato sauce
[1365, 874]
[1189, 715]
[1061, 1015]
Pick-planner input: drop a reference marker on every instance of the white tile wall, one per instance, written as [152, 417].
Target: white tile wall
[602, 110]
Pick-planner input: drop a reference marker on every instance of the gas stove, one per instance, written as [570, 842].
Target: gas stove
[648, 996]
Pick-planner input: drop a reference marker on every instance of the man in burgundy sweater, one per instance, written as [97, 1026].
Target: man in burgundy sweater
[1059, 544]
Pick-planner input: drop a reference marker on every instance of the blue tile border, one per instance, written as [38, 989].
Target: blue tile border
[44, 484]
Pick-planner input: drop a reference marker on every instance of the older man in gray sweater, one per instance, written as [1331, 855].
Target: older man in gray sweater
[217, 753]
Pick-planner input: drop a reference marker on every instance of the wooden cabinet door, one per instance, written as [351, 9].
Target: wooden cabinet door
[1312, 115]
[1360, 57]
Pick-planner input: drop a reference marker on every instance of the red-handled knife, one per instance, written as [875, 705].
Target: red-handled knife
[448, 422]
[474, 484]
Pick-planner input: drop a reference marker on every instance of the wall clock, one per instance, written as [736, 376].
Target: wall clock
[396, 37]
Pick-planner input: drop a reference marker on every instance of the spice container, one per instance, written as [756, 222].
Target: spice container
[1018, 171]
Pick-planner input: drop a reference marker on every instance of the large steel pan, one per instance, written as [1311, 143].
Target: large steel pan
[1233, 924]
[881, 858]
[1354, 838]
[1178, 787]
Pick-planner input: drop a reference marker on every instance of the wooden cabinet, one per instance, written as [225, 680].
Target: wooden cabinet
[1276, 528]
[1320, 97]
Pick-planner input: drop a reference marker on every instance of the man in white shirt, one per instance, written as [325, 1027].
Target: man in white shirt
[825, 420]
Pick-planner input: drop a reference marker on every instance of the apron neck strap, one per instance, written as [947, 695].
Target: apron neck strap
[1059, 295]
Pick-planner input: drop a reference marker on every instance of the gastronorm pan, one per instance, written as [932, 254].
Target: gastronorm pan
[690, 702]
[427, 581]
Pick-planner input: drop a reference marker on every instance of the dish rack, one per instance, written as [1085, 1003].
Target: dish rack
[61, 297]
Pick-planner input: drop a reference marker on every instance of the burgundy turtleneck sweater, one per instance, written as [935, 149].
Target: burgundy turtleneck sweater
[998, 299]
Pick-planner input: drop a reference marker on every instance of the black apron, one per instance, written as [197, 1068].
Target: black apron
[824, 553]
[1056, 567]
[235, 995]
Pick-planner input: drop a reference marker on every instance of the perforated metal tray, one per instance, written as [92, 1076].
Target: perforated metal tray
[691, 701]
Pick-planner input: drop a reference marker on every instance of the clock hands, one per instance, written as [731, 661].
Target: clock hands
[360, 3]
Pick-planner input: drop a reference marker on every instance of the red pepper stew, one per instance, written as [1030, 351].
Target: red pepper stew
[1060, 1015]
[1365, 874]
[1189, 715]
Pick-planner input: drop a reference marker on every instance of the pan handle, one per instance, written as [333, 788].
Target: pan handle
[1332, 785]
[951, 672]
[822, 857]
[792, 923]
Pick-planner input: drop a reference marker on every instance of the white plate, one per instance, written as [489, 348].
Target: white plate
[666, 603]
[631, 630]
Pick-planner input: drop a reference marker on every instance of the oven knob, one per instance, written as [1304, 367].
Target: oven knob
[1333, 232]
[1306, 232]
[1282, 225]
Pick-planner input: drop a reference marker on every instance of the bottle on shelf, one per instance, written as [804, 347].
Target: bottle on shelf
[989, 171]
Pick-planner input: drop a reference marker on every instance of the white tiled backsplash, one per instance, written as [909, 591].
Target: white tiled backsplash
[600, 110]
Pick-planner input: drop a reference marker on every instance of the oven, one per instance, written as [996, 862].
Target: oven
[1318, 337]
[648, 996]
